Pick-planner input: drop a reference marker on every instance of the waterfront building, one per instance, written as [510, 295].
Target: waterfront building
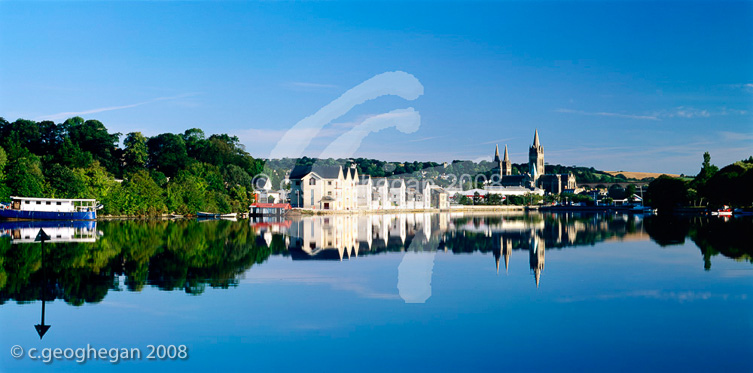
[397, 194]
[364, 193]
[318, 187]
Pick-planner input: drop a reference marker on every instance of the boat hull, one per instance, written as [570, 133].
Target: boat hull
[8, 214]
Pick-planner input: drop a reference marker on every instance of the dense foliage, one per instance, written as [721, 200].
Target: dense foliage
[732, 185]
[181, 173]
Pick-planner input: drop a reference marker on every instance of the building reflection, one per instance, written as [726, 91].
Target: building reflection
[343, 237]
[84, 264]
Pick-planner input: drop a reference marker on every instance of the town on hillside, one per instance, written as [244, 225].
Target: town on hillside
[342, 188]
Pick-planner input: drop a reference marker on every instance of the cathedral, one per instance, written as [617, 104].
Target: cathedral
[536, 176]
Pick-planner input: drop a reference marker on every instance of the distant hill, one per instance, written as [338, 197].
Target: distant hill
[638, 175]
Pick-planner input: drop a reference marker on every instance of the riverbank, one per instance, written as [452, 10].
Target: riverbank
[310, 212]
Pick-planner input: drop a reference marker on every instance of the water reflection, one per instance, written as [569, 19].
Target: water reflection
[87, 259]
[346, 236]
[58, 231]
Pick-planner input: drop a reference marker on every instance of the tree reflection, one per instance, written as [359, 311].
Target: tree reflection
[184, 255]
[732, 238]
[189, 256]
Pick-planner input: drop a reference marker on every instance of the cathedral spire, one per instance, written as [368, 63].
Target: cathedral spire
[507, 158]
[507, 261]
[496, 153]
[536, 138]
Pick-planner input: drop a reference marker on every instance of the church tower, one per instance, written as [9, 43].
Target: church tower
[536, 159]
[506, 166]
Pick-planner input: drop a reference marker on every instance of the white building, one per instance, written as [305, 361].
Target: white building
[323, 187]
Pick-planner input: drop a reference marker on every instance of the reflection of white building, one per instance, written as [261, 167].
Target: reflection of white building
[343, 236]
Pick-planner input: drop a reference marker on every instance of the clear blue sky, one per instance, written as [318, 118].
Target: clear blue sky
[635, 86]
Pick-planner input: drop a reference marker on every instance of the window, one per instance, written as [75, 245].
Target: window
[49, 203]
[298, 182]
[59, 203]
[39, 202]
[329, 183]
[27, 202]
[312, 181]
[329, 193]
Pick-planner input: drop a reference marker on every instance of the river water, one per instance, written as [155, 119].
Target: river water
[403, 292]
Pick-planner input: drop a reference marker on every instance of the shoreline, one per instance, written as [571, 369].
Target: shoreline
[309, 212]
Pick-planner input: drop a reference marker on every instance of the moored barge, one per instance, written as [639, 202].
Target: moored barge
[31, 208]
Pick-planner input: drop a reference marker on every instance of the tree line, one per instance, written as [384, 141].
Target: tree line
[712, 187]
[182, 173]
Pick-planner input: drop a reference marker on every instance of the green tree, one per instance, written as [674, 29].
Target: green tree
[4, 190]
[71, 155]
[666, 193]
[630, 192]
[92, 136]
[136, 153]
[142, 195]
[732, 185]
[616, 192]
[101, 186]
[494, 199]
[236, 176]
[699, 182]
[64, 183]
[167, 153]
[195, 142]
[27, 180]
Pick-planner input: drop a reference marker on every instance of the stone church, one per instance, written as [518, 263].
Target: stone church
[536, 176]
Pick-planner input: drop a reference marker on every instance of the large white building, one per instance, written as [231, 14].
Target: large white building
[342, 189]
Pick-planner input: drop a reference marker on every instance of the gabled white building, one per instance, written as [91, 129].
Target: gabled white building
[364, 193]
[322, 187]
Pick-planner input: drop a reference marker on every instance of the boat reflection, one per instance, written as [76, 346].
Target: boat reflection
[21, 232]
[83, 265]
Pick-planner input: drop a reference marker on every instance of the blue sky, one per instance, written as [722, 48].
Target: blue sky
[635, 86]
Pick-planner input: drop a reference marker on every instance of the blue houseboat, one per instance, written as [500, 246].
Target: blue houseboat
[27, 208]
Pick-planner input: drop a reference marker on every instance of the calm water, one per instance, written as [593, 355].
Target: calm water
[386, 292]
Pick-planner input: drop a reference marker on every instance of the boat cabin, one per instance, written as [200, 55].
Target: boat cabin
[52, 204]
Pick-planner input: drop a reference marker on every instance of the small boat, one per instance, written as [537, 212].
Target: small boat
[30, 208]
[211, 215]
[726, 211]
